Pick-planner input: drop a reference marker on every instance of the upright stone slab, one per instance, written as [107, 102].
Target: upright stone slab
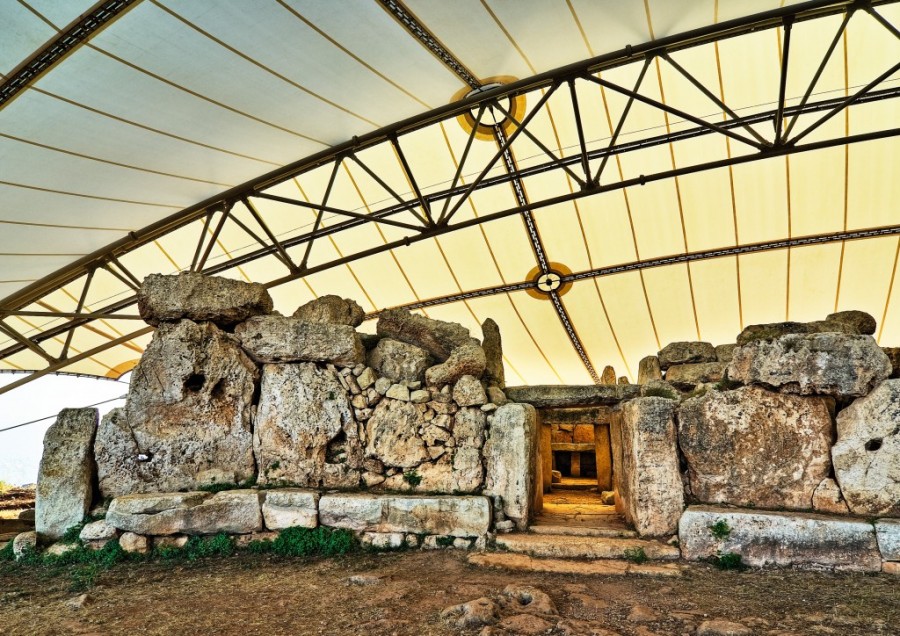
[836, 364]
[494, 374]
[187, 421]
[510, 454]
[765, 538]
[648, 369]
[415, 514]
[753, 447]
[200, 298]
[305, 432]
[648, 482]
[275, 339]
[66, 475]
[867, 453]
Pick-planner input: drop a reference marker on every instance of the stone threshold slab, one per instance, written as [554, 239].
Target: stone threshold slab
[606, 567]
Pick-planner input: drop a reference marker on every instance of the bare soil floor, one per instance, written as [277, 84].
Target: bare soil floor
[246, 595]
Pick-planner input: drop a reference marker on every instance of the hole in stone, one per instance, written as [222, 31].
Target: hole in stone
[219, 389]
[873, 444]
[336, 453]
[194, 382]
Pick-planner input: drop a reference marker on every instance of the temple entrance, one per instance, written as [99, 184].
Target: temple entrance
[577, 471]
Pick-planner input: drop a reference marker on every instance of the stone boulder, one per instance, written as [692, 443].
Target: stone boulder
[468, 359]
[887, 532]
[393, 434]
[223, 301]
[608, 376]
[648, 369]
[779, 538]
[853, 322]
[291, 508]
[510, 455]
[399, 361]
[468, 391]
[187, 420]
[867, 453]
[725, 352]
[66, 475]
[275, 339]
[893, 354]
[99, 531]
[24, 543]
[647, 480]
[835, 364]
[415, 514]
[193, 513]
[305, 432]
[847, 322]
[494, 374]
[686, 353]
[437, 337]
[687, 376]
[332, 310]
[753, 447]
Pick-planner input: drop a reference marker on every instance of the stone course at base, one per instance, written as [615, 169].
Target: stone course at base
[764, 538]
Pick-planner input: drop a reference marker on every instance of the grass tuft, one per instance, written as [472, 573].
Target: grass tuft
[720, 529]
[636, 555]
[728, 561]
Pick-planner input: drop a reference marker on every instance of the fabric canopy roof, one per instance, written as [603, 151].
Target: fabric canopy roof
[600, 177]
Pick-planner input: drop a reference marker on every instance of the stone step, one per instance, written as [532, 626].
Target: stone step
[563, 487]
[604, 567]
[582, 531]
[581, 547]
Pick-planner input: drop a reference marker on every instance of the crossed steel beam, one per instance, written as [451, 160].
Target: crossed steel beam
[217, 213]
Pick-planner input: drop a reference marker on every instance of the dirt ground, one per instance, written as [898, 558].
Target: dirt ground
[246, 595]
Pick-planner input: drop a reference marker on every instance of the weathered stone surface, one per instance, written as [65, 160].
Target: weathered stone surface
[392, 434]
[382, 541]
[193, 513]
[494, 373]
[468, 391]
[867, 453]
[332, 310]
[188, 413]
[468, 427]
[753, 447]
[201, 298]
[893, 354]
[770, 331]
[132, 542]
[496, 396]
[550, 396]
[725, 352]
[481, 611]
[645, 452]
[723, 628]
[305, 432]
[687, 376]
[660, 388]
[887, 532]
[437, 337]
[443, 515]
[857, 321]
[780, 538]
[648, 369]
[291, 508]
[467, 359]
[66, 474]
[59, 549]
[98, 531]
[174, 541]
[835, 364]
[608, 376]
[829, 499]
[274, 339]
[510, 454]
[398, 392]
[399, 361]
[686, 353]
[24, 543]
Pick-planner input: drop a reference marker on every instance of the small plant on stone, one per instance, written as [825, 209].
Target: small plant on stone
[728, 561]
[635, 555]
[412, 478]
[720, 529]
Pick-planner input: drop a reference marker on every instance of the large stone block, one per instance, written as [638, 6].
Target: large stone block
[836, 364]
[779, 538]
[274, 339]
[648, 369]
[438, 515]
[753, 447]
[291, 508]
[888, 533]
[194, 513]
[686, 353]
[393, 434]
[647, 479]
[468, 359]
[331, 309]
[510, 454]
[494, 374]
[867, 453]
[187, 420]
[556, 396]
[399, 361]
[201, 298]
[687, 376]
[305, 432]
[437, 337]
[848, 322]
[66, 474]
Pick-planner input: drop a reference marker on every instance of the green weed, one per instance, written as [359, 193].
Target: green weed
[412, 478]
[728, 561]
[636, 555]
[720, 529]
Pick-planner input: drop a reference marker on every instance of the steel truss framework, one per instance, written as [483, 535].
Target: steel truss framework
[424, 216]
